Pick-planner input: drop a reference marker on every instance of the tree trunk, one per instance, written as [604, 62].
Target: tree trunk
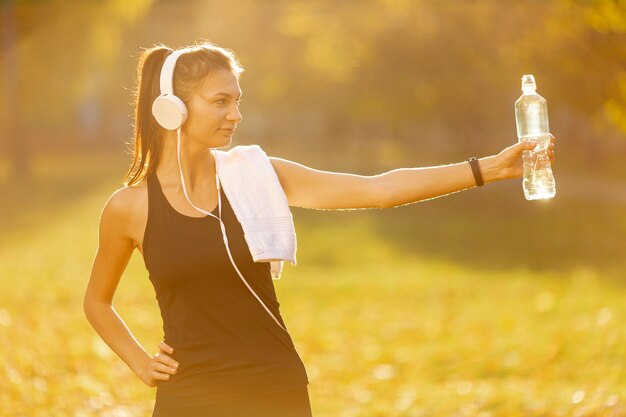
[15, 141]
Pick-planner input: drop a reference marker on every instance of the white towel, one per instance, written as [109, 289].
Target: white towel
[259, 203]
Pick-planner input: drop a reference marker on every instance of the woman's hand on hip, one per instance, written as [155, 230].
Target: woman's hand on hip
[510, 159]
[159, 367]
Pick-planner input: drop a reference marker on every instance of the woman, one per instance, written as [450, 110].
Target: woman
[224, 356]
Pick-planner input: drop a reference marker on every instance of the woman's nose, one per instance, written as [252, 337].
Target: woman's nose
[235, 115]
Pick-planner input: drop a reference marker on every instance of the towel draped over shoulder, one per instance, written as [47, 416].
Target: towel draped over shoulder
[259, 203]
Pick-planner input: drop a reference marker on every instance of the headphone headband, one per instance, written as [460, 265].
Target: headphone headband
[167, 72]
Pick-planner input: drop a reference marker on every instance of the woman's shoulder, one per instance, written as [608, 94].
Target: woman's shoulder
[130, 200]
[127, 210]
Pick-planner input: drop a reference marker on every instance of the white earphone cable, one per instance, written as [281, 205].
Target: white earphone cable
[222, 226]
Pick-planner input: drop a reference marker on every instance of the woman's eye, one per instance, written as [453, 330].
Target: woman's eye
[223, 101]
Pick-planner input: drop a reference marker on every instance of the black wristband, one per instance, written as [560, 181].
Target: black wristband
[473, 161]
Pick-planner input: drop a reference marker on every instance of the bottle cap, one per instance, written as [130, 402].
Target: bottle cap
[528, 83]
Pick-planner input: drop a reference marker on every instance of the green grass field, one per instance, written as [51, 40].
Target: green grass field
[476, 304]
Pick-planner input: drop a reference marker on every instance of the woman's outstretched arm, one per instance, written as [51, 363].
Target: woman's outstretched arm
[311, 188]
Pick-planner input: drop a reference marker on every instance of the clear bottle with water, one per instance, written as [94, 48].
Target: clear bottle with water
[531, 117]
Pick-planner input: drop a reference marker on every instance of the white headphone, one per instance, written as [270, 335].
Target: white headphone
[171, 113]
[169, 110]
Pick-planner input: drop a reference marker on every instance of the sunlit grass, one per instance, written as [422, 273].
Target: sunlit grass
[389, 320]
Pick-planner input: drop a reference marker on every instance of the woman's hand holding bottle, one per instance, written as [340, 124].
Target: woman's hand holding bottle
[510, 159]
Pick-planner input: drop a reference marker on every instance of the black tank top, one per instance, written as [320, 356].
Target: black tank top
[227, 346]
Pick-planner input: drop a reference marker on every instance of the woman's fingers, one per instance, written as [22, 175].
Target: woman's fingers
[160, 376]
[165, 347]
[163, 358]
[161, 367]
[166, 360]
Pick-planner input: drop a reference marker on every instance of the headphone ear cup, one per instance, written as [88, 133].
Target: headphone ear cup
[169, 111]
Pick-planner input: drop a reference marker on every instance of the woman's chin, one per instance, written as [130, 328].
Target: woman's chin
[222, 143]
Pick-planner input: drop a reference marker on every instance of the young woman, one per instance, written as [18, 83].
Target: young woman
[222, 355]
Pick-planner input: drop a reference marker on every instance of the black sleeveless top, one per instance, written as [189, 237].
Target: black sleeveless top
[227, 346]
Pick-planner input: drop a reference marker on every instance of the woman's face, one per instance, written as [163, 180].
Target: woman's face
[214, 110]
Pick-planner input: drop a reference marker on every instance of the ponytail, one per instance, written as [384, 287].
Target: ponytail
[147, 135]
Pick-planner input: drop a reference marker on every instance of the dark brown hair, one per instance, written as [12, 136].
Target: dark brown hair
[192, 67]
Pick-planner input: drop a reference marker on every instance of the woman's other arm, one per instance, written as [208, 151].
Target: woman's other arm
[115, 248]
[311, 188]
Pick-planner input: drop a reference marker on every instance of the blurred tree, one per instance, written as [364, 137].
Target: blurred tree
[428, 73]
[12, 137]
[608, 19]
[580, 50]
[367, 78]
[65, 53]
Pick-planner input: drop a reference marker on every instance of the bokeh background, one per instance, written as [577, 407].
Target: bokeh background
[479, 303]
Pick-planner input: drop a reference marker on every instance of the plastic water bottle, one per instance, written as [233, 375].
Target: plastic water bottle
[531, 117]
